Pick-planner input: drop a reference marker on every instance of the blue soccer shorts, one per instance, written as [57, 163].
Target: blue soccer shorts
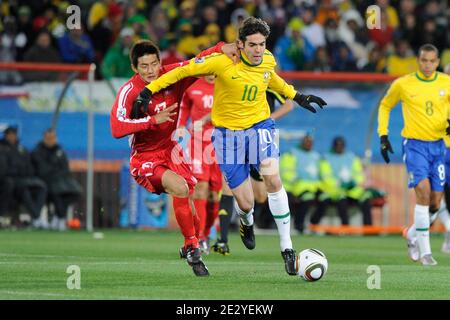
[425, 160]
[239, 150]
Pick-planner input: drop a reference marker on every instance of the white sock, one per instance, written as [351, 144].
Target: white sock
[422, 225]
[444, 215]
[411, 234]
[246, 217]
[279, 207]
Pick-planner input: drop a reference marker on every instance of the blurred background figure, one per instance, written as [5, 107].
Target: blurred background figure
[376, 61]
[300, 172]
[29, 190]
[6, 183]
[237, 17]
[76, 47]
[343, 178]
[11, 45]
[321, 61]
[210, 36]
[116, 63]
[342, 59]
[99, 27]
[170, 54]
[292, 50]
[403, 61]
[312, 31]
[52, 166]
[384, 36]
[41, 51]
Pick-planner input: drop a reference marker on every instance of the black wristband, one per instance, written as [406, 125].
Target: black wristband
[146, 93]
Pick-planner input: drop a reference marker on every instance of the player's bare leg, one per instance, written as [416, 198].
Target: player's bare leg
[175, 185]
[435, 204]
[260, 193]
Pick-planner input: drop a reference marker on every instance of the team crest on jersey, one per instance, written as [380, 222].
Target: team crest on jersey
[147, 165]
[121, 113]
[199, 60]
[266, 76]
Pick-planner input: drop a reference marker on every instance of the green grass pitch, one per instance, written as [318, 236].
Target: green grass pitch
[145, 265]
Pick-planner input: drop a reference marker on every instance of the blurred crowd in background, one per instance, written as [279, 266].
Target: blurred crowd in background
[319, 35]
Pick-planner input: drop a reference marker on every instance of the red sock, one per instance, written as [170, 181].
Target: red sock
[185, 220]
[197, 225]
[212, 211]
[200, 207]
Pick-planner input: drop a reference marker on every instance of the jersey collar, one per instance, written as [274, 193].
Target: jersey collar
[138, 78]
[245, 60]
[421, 77]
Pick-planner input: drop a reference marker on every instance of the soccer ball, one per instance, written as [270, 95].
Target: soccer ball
[311, 264]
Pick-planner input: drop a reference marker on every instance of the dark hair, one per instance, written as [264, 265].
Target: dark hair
[429, 48]
[49, 130]
[306, 137]
[10, 129]
[336, 140]
[253, 25]
[141, 48]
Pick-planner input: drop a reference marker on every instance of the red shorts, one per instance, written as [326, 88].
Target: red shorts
[147, 168]
[204, 164]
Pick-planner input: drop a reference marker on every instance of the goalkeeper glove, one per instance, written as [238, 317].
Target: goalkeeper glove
[140, 105]
[305, 101]
[385, 148]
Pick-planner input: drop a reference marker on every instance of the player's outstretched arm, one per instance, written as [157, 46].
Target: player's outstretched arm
[279, 85]
[196, 67]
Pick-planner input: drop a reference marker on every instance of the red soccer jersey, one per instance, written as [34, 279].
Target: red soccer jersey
[146, 135]
[197, 103]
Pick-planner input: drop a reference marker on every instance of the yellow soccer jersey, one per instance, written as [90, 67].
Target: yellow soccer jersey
[425, 106]
[447, 141]
[239, 90]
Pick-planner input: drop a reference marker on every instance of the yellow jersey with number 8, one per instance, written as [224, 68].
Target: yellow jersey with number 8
[425, 106]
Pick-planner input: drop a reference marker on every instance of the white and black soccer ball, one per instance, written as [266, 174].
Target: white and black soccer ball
[312, 264]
